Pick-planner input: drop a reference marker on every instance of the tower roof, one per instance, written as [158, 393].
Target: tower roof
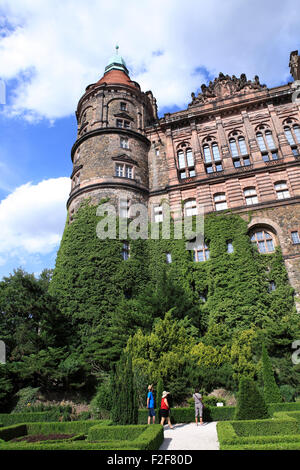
[116, 72]
[116, 62]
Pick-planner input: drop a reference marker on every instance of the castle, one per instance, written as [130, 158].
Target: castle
[236, 147]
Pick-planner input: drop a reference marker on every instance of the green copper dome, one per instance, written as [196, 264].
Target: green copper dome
[116, 62]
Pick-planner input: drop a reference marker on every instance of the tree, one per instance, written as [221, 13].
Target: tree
[250, 404]
[124, 397]
[271, 390]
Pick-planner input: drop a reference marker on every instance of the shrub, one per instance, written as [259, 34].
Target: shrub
[271, 390]
[288, 393]
[14, 418]
[67, 427]
[276, 407]
[124, 399]
[26, 397]
[251, 404]
[102, 401]
[115, 433]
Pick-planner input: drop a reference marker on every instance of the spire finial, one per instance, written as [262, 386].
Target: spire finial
[117, 49]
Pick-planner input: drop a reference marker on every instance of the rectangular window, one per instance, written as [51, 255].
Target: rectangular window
[129, 172]
[189, 157]
[119, 123]
[126, 124]
[192, 173]
[182, 175]
[237, 163]
[207, 155]
[124, 208]
[125, 251]
[120, 171]
[295, 238]
[209, 169]
[123, 106]
[246, 161]
[124, 143]
[219, 167]
[265, 157]
[261, 142]
[295, 151]
[168, 258]
[229, 247]
[274, 156]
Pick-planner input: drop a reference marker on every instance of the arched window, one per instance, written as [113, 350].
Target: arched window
[264, 240]
[212, 158]
[190, 207]
[250, 196]
[239, 151]
[292, 133]
[185, 162]
[220, 201]
[266, 144]
[282, 191]
[201, 253]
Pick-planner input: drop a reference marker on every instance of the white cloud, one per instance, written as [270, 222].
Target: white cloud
[55, 49]
[32, 219]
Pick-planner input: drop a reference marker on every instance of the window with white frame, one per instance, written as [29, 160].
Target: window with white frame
[250, 196]
[292, 133]
[124, 208]
[239, 151]
[123, 106]
[212, 157]
[220, 201]
[124, 171]
[123, 123]
[158, 214]
[282, 190]
[264, 241]
[266, 144]
[295, 237]
[201, 253]
[190, 207]
[185, 162]
[124, 142]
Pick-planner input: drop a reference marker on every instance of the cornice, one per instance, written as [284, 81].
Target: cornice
[108, 130]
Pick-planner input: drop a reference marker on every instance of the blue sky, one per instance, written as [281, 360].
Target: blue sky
[51, 50]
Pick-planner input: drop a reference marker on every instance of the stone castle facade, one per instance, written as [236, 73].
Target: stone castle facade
[236, 146]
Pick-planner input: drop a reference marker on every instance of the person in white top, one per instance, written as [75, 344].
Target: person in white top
[198, 406]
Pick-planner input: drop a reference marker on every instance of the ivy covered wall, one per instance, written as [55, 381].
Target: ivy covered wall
[107, 299]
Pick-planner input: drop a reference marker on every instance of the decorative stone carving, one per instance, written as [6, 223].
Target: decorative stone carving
[224, 86]
[294, 65]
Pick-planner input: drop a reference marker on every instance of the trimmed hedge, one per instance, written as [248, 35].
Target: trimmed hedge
[8, 419]
[10, 432]
[68, 427]
[278, 446]
[75, 445]
[115, 433]
[265, 427]
[275, 407]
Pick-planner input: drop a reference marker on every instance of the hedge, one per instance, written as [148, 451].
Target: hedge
[65, 427]
[275, 407]
[278, 446]
[10, 432]
[115, 433]
[14, 418]
[265, 427]
[148, 438]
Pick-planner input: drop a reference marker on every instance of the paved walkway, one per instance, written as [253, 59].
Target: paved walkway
[190, 437]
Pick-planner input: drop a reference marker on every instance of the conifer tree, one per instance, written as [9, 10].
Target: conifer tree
[124, 396]
[251, 404]
[159, 392]
[271, 389]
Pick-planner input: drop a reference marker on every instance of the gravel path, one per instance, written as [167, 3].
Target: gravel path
[191, 437]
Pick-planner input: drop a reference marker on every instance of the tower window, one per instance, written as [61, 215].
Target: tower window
[220, 201]
[123, 123]
[124, 171]
[124, 208]
[295, 237]
[120, 170]
[263, 240]
[201, 253]
[282, 190]
[124, 143]
[168, 258]
[292, 134]
[230, 246]
[250, 196]
[123, 106]
[125, 251]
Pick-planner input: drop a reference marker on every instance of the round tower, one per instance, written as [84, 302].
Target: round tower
[110, 155]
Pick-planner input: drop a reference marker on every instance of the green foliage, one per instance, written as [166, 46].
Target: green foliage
[10, 432]
[26, 397]
[102, 401]
[250, 404]
[114, 433]
[124, 399]
[159, 392]
[271, 390]
[288, 393]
